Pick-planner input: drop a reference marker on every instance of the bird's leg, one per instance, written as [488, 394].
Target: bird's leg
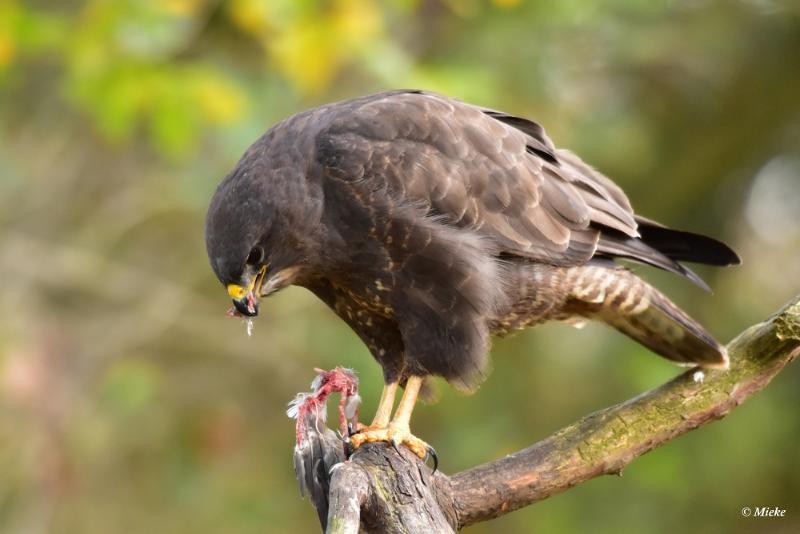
[397, 431]
[402, 417]
[384, 411]
[399, 426]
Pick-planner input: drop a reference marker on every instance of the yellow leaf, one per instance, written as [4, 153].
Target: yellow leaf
[506, 3]
[306, 55]
[9, 17]
[7, 50]
[219, 101]
[250, 15]
[181, 8]
[355, 22]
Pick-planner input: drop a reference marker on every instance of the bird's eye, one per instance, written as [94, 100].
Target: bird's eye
[256, 256]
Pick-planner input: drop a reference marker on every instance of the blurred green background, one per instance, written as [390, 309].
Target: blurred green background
[130, 403]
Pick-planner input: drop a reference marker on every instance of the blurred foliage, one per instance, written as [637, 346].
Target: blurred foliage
[129, 402]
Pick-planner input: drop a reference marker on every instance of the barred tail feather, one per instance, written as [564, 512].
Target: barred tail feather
[621, 299]
[666, 330]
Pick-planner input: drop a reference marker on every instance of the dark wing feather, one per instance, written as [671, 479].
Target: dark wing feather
[538, 142]
[686, 246]
[492, 173]
[618, 245]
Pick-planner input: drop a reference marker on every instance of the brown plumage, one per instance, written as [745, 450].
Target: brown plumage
[428, 224]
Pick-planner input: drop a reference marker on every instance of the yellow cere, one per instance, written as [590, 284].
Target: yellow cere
[237, 292]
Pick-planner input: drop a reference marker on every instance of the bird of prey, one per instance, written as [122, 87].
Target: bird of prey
[429, 224]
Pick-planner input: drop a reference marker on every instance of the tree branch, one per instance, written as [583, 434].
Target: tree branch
[388, 491]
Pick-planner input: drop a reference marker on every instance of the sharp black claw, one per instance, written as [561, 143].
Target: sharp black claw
[431, 453]
[394, 446]
[351, 429]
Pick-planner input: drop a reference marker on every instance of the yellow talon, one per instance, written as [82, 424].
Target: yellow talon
[396, 431]
[394, 435]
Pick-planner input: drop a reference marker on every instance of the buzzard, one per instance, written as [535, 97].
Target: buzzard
[428, 225]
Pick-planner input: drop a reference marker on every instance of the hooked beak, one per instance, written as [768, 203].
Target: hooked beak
[245, 299]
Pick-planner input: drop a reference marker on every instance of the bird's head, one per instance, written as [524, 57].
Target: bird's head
[251, 249]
